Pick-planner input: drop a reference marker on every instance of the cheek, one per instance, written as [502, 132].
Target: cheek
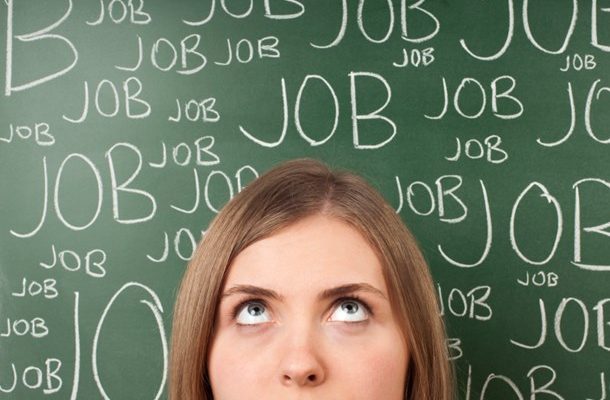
[376, 370]
[235, 366]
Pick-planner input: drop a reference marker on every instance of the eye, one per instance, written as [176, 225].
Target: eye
[251, 313]
[350, 310]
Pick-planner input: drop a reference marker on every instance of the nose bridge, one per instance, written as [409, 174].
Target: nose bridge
[302, 362]
[301, 334]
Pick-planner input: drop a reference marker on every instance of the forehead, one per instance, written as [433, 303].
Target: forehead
[316, 252]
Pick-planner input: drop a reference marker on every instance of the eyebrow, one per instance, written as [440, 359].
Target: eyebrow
[324, 295]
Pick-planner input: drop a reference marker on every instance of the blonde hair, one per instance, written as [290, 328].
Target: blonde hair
[285, 194]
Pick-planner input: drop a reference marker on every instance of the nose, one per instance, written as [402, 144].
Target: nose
[301, 368]
[301, 363]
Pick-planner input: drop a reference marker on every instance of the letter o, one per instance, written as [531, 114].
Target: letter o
[462, 299]
[206, 191]
[156, 308]
[98, 180]
[559, 316]
[38, 375]
[410, 194]
[456, 98]
[155, 51]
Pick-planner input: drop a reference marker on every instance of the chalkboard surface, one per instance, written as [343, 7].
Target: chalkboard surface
[126, 125]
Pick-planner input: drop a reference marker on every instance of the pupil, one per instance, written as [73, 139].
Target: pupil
[255, 310]
[350, 307]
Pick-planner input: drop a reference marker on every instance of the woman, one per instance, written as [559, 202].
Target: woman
[308, 285]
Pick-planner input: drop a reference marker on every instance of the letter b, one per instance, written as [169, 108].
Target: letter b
[32, 37]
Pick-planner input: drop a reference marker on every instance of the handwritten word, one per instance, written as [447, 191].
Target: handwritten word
[540, 278]
[118, 11]
[578, 62]
[40, 133]
[446, 186]
[266, 47]
[182, 153]
[34, 288]
[182, 235]
[415, 9]
[583, 313]
[356, 114]
[70, 260]
[474, 149]
[33, 377]
[106, 88]
[417, 57]
[36, 327]
[195, 110]
[482, 98]
[472, 304]
[188, 51]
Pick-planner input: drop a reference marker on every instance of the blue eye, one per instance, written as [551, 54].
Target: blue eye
[350, 310]
[250, 313]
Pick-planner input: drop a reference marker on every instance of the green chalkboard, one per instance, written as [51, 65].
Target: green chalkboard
[126, 125]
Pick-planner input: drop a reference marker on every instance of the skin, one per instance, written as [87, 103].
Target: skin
[300, 346]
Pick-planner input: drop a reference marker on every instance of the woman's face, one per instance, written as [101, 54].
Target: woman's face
[298, 331]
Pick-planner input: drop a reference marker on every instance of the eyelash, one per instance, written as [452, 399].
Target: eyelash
[340, 300]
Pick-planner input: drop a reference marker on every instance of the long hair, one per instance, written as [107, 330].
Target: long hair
[285, 194]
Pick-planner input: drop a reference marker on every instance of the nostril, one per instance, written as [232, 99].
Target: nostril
[310, 378]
